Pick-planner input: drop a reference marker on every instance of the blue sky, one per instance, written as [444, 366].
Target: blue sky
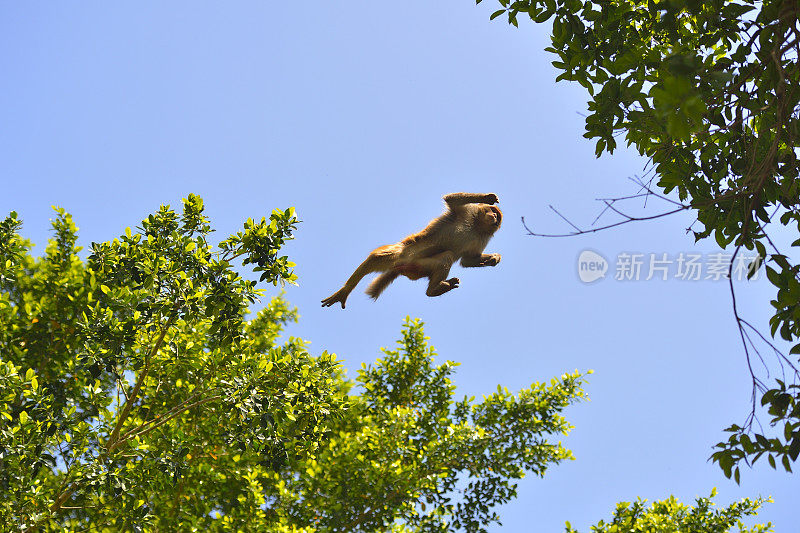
[362, 115]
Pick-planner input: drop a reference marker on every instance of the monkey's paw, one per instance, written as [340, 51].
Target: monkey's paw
[453, 282]
[491, 199]
[337, 297]
[492, 261]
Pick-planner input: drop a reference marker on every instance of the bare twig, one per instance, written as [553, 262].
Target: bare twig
[580, 231]
[645, 191]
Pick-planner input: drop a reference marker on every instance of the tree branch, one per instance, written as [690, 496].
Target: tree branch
[126, 409]
[163, 419]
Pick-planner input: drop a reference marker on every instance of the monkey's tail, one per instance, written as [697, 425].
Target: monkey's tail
[380, 283]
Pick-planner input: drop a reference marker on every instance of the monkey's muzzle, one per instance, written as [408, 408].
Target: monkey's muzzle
[498, 216]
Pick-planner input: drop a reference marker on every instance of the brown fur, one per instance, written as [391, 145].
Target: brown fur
[461, 233]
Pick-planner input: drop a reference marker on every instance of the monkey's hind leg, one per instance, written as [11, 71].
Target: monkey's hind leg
[440, 268]
[441, 287]
[379, 260]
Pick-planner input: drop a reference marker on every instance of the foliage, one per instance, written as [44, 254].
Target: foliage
[670, 516]
[136, 393]
[709, 92]
[408, 457]
[131, 374]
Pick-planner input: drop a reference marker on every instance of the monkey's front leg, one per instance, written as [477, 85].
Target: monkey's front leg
[480, 260]
[460, 198]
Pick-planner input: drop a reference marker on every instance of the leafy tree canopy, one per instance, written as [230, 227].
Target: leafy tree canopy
[430, 463]
[670, 516]
[709, 93]
[136, 391]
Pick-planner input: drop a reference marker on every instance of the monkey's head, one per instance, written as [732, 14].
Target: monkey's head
[490, 218]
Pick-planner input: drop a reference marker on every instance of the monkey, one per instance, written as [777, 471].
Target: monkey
[461, 233]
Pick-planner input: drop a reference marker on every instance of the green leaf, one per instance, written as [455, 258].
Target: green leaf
[773, 276]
